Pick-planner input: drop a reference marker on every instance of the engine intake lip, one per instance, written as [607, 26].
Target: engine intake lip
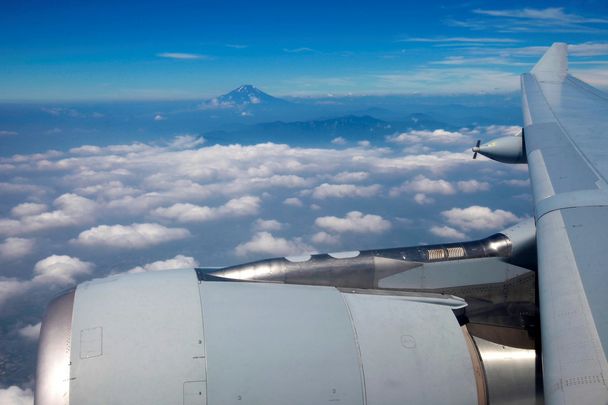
[54, 348]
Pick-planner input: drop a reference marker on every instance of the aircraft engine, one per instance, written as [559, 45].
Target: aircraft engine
[508, 149]
[174, 338]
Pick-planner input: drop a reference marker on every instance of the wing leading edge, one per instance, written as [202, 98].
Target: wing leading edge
[565, 127]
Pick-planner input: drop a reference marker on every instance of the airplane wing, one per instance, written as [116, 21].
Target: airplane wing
[566, 143]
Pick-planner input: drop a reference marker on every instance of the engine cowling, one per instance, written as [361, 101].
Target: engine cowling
[171, 337]
[508, 149]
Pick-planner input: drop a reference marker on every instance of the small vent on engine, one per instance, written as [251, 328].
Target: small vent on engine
[455, 252]
[436, 254]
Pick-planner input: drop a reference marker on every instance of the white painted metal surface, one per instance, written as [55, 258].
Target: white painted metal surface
[138, 339]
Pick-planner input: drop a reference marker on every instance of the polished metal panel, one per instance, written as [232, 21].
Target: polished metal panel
[510, 374]
[54, 348]
[368, 268]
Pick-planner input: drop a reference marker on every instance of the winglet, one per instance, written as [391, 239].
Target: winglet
[553, 66]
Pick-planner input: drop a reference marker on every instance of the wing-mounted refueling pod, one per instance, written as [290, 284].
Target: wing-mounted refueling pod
[507, 149]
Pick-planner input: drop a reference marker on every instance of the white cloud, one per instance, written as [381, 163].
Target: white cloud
[447, 232]
[354, 221]
[440, 136]
[30, 332]
[159, 117]
[14, 248]
[60, 270]
[28, 209]
[182, 56]
[178, 262]
[324, 238]
[185, 212]
[268, 225]
[339, 141]
[472, 186]
[351, 176]
[71, 210]
[364, 144]
[293, 201]
[54, 270]
[326, 190]
[266, 243]
[134, 236]
[422, 184]
[423, 199]
[479, 218]
[15, 395]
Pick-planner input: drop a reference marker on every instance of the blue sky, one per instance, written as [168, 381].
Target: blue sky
[157, 50]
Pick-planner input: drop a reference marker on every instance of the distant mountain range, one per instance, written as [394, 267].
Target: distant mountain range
[352, 127]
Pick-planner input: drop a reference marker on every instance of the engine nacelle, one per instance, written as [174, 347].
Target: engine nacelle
[508, 149]
[171, 337]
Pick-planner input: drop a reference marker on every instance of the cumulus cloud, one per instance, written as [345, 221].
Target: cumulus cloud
[447, 232]
[472, 186]
[268, 225]
[185, 212]
[479, 218]
[293, 201]
[422, 184]
[354, 221]
[14, 248]
[15, 395]
[55, 270]
[28, 209]
[326, 190]
[351, 176]
[266, 243]
[339, 141]
[30, 332]
[134, 236]
[324, 238]
[60, 269]
[178, 262]
[425, 136]
[71, 210]
[423, 199]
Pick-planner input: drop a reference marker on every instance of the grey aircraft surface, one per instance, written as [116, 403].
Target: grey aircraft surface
[517, 317]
